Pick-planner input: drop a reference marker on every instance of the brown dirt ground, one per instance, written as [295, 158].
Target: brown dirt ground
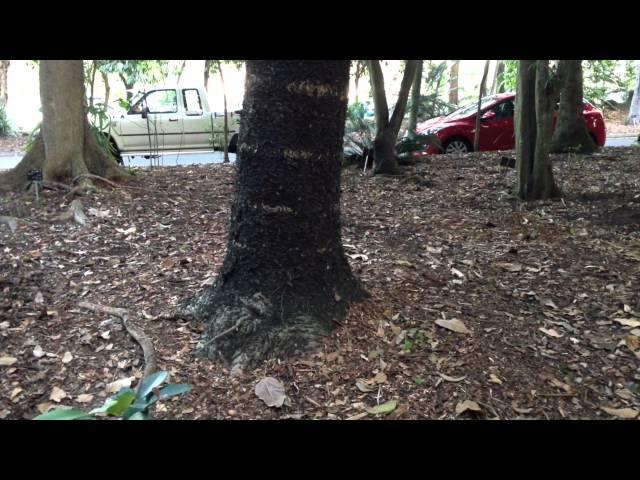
[541, 287]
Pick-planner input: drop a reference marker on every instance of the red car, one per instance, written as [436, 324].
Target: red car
[456, 130]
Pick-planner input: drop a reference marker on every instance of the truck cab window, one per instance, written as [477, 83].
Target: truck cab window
[158, 101]
[191, 99]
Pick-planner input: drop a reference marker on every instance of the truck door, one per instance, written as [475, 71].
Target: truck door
[196, 122]
[162, 127]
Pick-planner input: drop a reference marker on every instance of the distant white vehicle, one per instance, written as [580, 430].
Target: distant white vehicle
[170, 120]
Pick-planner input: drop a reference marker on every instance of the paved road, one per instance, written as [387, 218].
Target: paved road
[10, 160]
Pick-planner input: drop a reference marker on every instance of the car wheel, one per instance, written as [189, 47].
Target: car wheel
[457, 145]
[233, 144]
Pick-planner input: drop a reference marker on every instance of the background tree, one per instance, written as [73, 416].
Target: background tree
[285, 279]
[415, 99]
[4, 75]
[481, 93]
[535, 102]
[571, 132]
[634, 110]
[453, 82]
[497, 86]
[359, 68]
[66, 147]
[132, 72]
[387, 129]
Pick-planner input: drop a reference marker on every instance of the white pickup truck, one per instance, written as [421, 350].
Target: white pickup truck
[170, 120]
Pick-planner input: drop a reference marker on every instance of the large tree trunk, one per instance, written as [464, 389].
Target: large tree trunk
[415, 99]
[534, 106]
[285, 280]
[496, 85]
[225, 140]
[65, 147]
[634, 109]
[483, 87]
[4, 76]
[384, 151]
[453, 82]
[571, 132]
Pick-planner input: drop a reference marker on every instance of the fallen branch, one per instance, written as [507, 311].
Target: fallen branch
[11, 222]
[95, 177]
[75, 213]
[143, 340]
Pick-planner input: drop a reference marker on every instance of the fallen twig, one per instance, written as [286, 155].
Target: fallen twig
[143, 340]
[95, 177]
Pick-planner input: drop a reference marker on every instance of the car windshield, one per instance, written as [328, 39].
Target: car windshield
[471, 108]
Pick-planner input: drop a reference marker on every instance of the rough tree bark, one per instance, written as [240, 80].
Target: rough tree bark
[483, 87]
[571, 132]
[65, 147]
[534, 108]
[415, 99]
[4, 76]
[285, 280]
[384, 150]
[634, 109]
[453, 82]
[496, 85]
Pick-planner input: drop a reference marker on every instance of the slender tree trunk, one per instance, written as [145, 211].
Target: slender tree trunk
[384, 156]
[4, 79]
[226, 121]
[496, 85]
[107, 87]
[128, 86]
[285, 280]
[525, 126]
[535, 103]
[571, 132]
[207, 72]
[92, 81]
[415, 99]
[66, 146]
[453, 82]
[180, 71]
[483, 86]
[634, 109]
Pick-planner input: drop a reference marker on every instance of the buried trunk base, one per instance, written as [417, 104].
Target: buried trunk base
[384, 156]
[245, 328]
[576, 140]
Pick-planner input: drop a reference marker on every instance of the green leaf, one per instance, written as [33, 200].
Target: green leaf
[139, 406]
[71, 414]
[151, 382]
[419, 381]
[172, 390]
[138, 416]
[108, 403]
[384, 408]
[122, 403]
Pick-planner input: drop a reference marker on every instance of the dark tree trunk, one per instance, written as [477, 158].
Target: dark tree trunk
[634, 109]
[535, 102]
[496, 85]
[107, 87]
[571, 132]
[180, 71]
[207, 72]
[128, 86]
[285, 279]
[453, 82]
[384, 151]
[225, 140]
[415, 99]
[66, 146]
[4, 77]
[483, 87]
[92, 81]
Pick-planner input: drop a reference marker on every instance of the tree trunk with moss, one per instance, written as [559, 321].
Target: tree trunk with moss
[534, 107]
[571, 132]
[285, 281]
[66, 146]
[384, 148]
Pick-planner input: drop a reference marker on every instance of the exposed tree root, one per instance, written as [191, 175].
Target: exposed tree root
[138, 335]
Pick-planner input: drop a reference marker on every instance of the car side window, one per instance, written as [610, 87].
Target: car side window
[191, 99]
[161, 101]
[505, 109]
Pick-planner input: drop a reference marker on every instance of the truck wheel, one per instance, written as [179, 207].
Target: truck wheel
[233, 144]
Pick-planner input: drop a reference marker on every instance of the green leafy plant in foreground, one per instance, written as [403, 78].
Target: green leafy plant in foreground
[127, 404]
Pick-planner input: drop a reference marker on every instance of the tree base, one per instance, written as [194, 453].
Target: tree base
[575, 141]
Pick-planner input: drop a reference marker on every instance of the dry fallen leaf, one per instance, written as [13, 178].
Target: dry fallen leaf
[38, 352]
[462, 407]
[84, 398]
[452, 379]
[621, 412]
[495, 379]
[114, 387]
[632, 343]
[67, 357]
[627, 322]
[363, 386]
[39, 298]
[454, 325]
[551, 332]
[44, 407]
[383, 408]
[511, 267]
[7, 361]
[57, 394]
[271, 392]
[358, 416]
[380, 377]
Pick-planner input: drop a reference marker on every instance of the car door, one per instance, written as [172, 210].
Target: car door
[197, 124]
[496, 127]
[162, 127]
